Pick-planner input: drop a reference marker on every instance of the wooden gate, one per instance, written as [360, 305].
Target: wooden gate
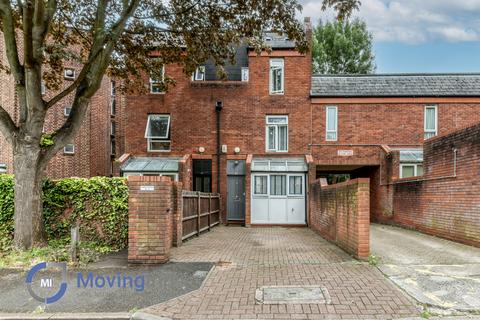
[201, 212]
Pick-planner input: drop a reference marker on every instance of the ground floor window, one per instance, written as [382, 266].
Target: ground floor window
[408, 170]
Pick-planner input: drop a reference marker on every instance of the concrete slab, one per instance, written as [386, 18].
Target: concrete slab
[436, 272]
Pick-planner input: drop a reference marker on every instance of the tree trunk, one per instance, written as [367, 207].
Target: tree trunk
[28, 196]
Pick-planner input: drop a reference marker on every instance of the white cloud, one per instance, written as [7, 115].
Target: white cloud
[413, 21]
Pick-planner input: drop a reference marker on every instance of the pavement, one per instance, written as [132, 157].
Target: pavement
[438, 273]
[160, 283]
[290, 259]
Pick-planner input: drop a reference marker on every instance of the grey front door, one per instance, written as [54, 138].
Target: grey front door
[236, 190]
[236, 198]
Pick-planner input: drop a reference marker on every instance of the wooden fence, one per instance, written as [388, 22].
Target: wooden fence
[201, 212]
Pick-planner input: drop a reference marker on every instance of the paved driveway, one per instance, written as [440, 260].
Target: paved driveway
[250, 258]
[437, 272]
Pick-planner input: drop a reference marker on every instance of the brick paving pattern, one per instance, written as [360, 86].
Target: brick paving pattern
[249, 258]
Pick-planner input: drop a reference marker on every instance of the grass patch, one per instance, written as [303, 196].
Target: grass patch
[56, 251]
[373, 260]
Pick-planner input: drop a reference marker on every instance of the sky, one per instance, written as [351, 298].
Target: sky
[418, 35]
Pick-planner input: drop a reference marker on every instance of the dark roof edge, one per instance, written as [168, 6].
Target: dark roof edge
[394, 96]
[395, 75]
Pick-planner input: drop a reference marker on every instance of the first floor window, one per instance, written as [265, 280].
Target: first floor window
[431, 121]
[277, 76]
[277, 133]
[157, 132]
[69, 149]
[408, 170]
[278, 185]
[112, 147]
[113, 107]
[260, 185]
[332, 123]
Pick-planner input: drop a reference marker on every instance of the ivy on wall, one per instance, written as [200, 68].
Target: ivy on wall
[98, 205]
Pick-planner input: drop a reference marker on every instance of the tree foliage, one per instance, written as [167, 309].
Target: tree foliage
[342, 47]
[344, 8]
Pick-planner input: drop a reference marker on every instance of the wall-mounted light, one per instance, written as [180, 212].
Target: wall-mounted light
[201, 149]
[237, 150]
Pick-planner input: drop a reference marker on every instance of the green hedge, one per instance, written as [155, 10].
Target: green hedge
[99, 204]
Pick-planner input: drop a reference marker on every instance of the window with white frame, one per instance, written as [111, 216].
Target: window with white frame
[245, 74]
[199, 74]
[156, 82]
[157, 133]
[408, 170]
[277, 133]
[431, 121]
[69, 73]
[331, 123]
[260, 185]
[113, 88]
[66, 111]
[113, 106]
[69, 149]
[277, 76]
[113, 128]
[295, 185]
[43, 88]
[113, 147]
[278, 185]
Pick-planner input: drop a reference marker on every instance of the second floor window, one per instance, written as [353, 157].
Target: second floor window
[431, 122]
[199, 74]
[277, 76]
[408, 170]
[157, 133]
[277, 133]
[156, 82]
[331, 123]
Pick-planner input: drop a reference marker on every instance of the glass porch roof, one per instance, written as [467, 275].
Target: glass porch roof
[151, 164]
[411, 156]
[279, 165]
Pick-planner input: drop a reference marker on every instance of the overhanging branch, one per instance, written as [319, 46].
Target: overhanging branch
[7, 126]
[10, 41]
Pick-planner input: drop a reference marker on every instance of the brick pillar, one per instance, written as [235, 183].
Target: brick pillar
[177, 214]
[150, 219]
[363, 219]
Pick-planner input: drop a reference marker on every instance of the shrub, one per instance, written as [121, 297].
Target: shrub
[98, 205]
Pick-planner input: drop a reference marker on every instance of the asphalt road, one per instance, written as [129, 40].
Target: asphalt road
[160, 283]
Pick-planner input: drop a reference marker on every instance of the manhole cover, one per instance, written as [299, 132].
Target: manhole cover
[292, 295]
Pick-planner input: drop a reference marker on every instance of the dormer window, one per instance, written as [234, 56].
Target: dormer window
[199, 74]
[277, 76]
[69, 73]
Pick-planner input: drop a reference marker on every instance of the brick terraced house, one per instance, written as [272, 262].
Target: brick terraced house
[93, 151]
[260, 136]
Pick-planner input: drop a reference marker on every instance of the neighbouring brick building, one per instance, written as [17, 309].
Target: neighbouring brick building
[260, 137]
[93, 151]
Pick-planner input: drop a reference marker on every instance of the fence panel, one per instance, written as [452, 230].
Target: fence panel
[201, 212]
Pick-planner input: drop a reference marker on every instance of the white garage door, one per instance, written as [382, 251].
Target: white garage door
[278, 198]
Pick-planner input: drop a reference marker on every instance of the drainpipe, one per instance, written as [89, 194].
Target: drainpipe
[218, 110]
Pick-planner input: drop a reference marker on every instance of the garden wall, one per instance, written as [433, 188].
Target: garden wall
[445, 202]
[341, 213]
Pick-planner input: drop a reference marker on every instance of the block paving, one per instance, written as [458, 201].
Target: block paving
[249, 258]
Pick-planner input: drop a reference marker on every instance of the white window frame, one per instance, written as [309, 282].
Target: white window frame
[151, 139]
[260, 195]
[43, 88]
[196, 75]
[270, 185]
[113, 125]
[276, 125]
[245, 74]
[65, 113]
[415, 169]
[65, 151]
[67, 76]
[300, 195]
[327, 131]
[276, 63]
[155, 82]
[113, 102]
[430, 131]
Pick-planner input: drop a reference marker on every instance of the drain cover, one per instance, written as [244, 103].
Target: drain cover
[292, 295]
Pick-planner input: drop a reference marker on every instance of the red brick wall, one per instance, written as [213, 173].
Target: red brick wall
[341, 213]
[445, 207]
[92, 143]
[151, 219]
